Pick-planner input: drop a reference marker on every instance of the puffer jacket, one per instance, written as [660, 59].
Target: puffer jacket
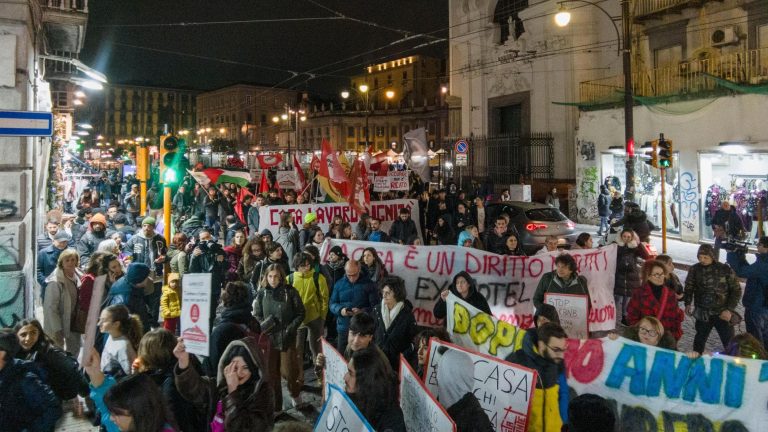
[58, 369]
[473, 297]
[552, 283]
[170, 302]
[284, 305]
[712, 289]
[627, 271]
[26, 403]
[361, 294]
[549, 408]
[242, 412]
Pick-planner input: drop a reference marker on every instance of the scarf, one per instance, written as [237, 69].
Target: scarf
[389, 315]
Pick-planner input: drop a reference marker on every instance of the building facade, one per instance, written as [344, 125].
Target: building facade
[414, 81]
[701, 79]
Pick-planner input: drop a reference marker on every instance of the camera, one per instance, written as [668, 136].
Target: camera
[735, 245]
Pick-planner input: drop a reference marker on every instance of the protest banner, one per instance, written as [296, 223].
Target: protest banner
[195, 312]
[285, 180]
[94, 310]
[339, 413]
[661, 390]
[393, 181]
[381, 184]
[335, 366]
[507, 282]
[476, 330]
[572, 310]
[504, 390]
[386, 211]
[255, 175]
[420, 409]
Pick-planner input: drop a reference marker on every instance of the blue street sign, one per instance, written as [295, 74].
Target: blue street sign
[26, 123]
[461, 146]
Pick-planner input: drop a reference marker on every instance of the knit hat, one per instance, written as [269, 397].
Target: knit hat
[708, 250]
[310, 217]
[136, 273]
[265, 233]
[9, 343]
[172, 277]
[148, 221]
[62, 236]
[98, 218]
[337, 251]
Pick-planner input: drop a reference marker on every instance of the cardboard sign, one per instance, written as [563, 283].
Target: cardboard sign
[393, 181]
[339, 413]
[386, 211]
[476, 330]
[381, 184]
[94, 310]
[572, 310]
[504, 390]
[286, 180]
[422, 412]
[507, 282]
[195, 312]
[335, 366]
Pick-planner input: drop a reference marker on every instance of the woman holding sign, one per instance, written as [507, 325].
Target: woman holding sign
[372, 386]
[463, 287]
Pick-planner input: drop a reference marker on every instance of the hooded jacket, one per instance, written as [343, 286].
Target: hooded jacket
[473, 297]
[360, 294]
[638, 222]
[455, 385]
[398, 338]
[243, 411]
[284, 304]
[627, 270]
[314, 298]
[170, 300]
[26, 402]
[89, 242]
[549, 408]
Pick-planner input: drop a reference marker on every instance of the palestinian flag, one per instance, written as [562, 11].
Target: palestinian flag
[218, 176]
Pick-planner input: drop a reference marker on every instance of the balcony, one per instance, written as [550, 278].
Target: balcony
[65, 22]
[690, 79]
[650, 9]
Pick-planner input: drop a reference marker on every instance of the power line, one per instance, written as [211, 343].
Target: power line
[211, 23]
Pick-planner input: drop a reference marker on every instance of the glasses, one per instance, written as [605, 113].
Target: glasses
[648, 332]
[557, 350]
[657, 275]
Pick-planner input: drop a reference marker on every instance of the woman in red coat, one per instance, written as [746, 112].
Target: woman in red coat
[655, 299]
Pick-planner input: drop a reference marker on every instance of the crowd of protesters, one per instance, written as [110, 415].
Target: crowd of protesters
[274, 299]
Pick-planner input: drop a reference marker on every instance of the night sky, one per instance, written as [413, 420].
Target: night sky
[206, 57]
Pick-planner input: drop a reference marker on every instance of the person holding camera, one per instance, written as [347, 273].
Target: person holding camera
[713, 287]
[755, 298]
[726, 224]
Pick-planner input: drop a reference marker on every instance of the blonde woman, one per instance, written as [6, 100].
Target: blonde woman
[61, 294]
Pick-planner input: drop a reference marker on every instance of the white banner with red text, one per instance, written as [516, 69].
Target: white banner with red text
[386, 211]
[507, 282]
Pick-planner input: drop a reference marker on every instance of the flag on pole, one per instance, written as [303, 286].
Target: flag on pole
[244, 192]
[314, 165]
[269, 160]
[218, 176]
[264, 184]
[415, 152]
[360, 196]
[299, 182]
[331, 175]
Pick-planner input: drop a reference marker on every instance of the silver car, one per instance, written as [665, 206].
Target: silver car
[534, 222]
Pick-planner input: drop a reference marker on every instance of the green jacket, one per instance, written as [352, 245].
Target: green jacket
[284, 304]
[551, 283]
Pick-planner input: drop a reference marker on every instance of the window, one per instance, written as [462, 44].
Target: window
[263, 119]
[248, 99]
[405, 76]
[327, 131]
[389, 79]
[350, 132]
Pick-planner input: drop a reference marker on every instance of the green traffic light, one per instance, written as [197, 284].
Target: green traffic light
[169, 176]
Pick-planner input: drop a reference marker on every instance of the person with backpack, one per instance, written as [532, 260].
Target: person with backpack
[313, 290]
[279, 306]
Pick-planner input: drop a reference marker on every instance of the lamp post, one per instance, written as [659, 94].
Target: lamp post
[365, 92]
[291, 116]
[562, 18]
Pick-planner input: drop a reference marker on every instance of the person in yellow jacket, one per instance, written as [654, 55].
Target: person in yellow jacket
[313, 290]
[544, 350]
[170, 303]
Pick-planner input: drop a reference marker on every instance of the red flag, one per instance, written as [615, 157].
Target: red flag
[269, 160]
[359, 196]
[264, 184]
[244, 192]
[299, 182]
[331, 175]
[314, 165]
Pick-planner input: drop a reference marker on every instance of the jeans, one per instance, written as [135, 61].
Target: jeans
[704, 328]
[603, 224]
[756, 320]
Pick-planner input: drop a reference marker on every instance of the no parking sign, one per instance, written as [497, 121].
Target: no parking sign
[461, 146]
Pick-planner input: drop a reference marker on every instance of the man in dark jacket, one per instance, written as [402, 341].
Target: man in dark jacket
[456, 383]
[755, 298]
[563, 280]
[129, 291]
[636, 220]
[403, 229]
[496, 239]
[209, 257]
[353, 294]
[46, 239]
[253, 217]
[726, 223]
[714, 289]
[89, 242]
[544, 351]
[149, 248]
[603, 209]
[211, 205]
[48, 257]
[26, 403]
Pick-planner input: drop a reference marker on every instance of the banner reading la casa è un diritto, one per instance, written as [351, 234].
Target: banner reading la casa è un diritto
[507, 282]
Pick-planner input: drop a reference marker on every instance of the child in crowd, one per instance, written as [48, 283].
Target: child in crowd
[170, 303]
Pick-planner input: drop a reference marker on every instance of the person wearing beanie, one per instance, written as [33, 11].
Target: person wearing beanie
[89, 242]
[26, 402]
[129, 291]
[711, 295]
[305, 235]
[149, 248]
[170, 303]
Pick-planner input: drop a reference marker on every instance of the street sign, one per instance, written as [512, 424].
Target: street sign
[461, 159]
[26, 123]
[461, 146]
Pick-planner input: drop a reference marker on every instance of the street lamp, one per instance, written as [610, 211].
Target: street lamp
[294, 116]
[365, 92]
[562, 18]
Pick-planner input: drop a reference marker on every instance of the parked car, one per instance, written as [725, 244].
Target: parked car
[535, 221]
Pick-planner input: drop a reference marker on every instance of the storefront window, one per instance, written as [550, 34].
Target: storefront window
[740, 179]
[647, 188]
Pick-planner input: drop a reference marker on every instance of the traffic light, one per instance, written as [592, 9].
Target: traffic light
[664, 152]
[653, 146]
[171, 159]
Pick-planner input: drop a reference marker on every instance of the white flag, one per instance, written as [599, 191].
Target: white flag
[415, 152]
